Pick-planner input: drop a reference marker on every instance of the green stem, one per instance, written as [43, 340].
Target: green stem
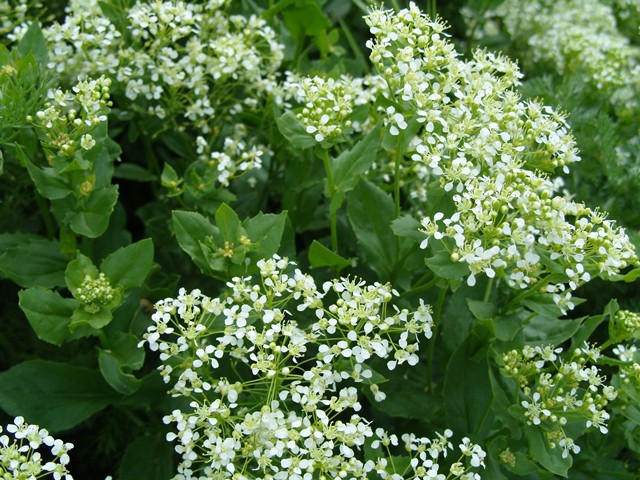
[355, 47]
[396, 182]
[527, 293]
[487, 291]
[431, 9]
[333, 211]
[436, 321]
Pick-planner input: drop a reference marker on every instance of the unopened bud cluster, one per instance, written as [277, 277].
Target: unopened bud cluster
[94, 293]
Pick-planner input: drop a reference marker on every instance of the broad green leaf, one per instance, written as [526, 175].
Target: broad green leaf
[34, 262]
[46, 180]
[291, 129]
[48, 313]
[191, 230]
[628, 277]
[129, 266]
[543, 305]
[136, 173]
[228, 223]
[266, 230]
[78, 269]
[91, 216]
[370, 213]
[148, 457]
[482, 310]
[114, 372]
[543, 330]
[56, 396]
[96, 320]
[321, 256]
[442, 265]
[549, 458]
[34, 42]
[87, 216]
[467, 395]
[407, 226]
[350, 164]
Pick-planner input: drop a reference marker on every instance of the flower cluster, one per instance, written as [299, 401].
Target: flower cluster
[13, 14]
[560, 390]
[488, 151]
[165, 65]
[86, 43]
[274, 393]
[573, 36]
[70, 116]
[20, 458]
[327, 104]
[236, 158]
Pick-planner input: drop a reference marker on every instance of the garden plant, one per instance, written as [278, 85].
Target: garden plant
[319, 239]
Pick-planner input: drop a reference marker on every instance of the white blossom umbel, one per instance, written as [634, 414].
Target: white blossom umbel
[484, 154]
[272, 370]
[561, 393]
[21, 458]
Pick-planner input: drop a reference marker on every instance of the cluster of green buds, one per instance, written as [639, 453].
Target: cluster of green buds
[624, 325]
[94, 293]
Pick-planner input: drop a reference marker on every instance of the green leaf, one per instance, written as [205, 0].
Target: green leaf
[91, 216]
[407, 226]
[131, 171]
[442, 265]
[87, 216]
[544, 330]
[628, 277]
[148, 457]
[350, 164]
[34, 42]
[482, 310]
[34, 262]
[77, 270]
[549, 458]
[266, 230]
[46, 180]
[291, 129]
[48, 313]
[370, 213]
[321, 256]
[228, 223]
[56, 396]
[96, 320]
[191, 230]
[543, 305]
[467, 395]
[114, 372]
[129, 266]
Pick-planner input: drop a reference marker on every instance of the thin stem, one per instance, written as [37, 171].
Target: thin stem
[355, 47]
[333, 214]
[487, 291]
[396, 182]
[436, 321]
[431, 9]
